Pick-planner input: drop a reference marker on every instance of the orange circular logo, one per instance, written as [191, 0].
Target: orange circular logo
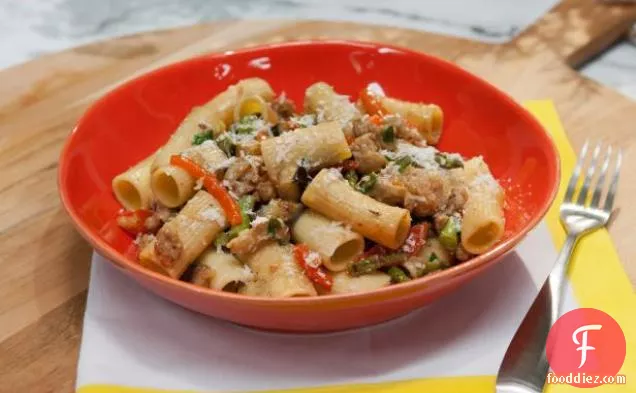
[586, 348]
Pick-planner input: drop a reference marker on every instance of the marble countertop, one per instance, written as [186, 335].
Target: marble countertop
[34, 27]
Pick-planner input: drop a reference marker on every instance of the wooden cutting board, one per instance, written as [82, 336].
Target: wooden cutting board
[44, 263]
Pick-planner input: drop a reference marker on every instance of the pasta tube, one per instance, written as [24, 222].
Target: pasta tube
[313, 147]
[483, 221]
[254, 105]
[173, 186]
[331, 195]
[278, 273]
[344, 283]
[221, 271]
[337, 244]
[322, 100]
[428, 118]
[132, 187]
[181, 240]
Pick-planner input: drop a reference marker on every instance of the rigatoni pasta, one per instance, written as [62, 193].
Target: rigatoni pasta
[279, 273]
[483, 223]
[428, 118]
[251, 196]
[181, 240]
[132, 187]
[344, 283]
[311, 148]
[221, 271]
[330, 194]
[338, 244]
[173, 185]
[323, 101]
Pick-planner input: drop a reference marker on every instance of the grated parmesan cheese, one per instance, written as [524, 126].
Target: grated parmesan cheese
[332, 175]
[214, 166]
[209, 144]
[289, 267]
[212, 214]
[455, 156]
[313, 259]
[484, 182]
[199, 184]
[423, 156]
[247, 274]
[254, 161]
[330, 229]
[305, 121]
[283, 148]
[390, 171]
[259, 220]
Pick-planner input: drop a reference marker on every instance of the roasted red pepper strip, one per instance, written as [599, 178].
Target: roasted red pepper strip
[134, 221]
[315, 274]
[211, 184]
[371, 103]
[416, 238]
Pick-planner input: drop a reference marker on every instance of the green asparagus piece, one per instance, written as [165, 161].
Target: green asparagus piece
[367, 183]
[449, 235]
[447, 161]
[352, 177]
[364, 266]
[375, 262]
[388, 135]
[246, 204]
[201, 137]
[403, 163]
[397, 275]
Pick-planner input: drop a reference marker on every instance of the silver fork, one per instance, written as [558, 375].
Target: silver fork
[525, 366]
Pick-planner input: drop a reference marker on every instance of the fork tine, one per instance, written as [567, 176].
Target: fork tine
[575, 175]
[609, 201]
[588, 178]
[600, 183]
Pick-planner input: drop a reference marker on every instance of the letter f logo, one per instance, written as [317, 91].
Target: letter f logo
[583, 344]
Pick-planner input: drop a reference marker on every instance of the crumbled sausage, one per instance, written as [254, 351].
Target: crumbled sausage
[282, 209]
[427, 191]
[241, 177]
[266, 190]
[402, 129]
[284, 107]
[365, 150]
[249, 241]
[457, 199]
[388, 191]
[168, 246]
[439, 221]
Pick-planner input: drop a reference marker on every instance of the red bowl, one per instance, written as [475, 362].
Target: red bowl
[132, 121]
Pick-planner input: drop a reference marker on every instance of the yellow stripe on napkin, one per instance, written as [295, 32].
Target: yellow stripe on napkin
[597, 278]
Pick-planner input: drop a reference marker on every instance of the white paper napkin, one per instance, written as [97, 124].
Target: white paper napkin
[133, 338]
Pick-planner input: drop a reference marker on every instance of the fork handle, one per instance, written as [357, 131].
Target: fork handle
[525, 359]
[556, 280]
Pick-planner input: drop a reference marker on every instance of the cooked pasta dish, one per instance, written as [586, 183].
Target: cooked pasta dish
[256, 195]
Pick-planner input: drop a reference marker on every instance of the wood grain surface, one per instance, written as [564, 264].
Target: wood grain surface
[44, 263]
